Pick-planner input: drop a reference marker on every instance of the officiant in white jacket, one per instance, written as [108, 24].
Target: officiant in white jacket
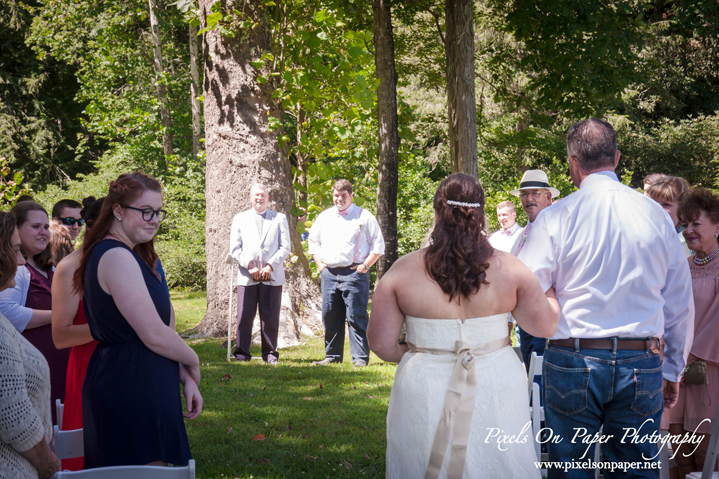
[260, 242]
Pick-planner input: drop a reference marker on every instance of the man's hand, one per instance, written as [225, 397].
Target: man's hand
[671, 394]
[266, 273]
[254, 271]
[361, 268]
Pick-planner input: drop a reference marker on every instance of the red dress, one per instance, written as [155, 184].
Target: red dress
[76, 369]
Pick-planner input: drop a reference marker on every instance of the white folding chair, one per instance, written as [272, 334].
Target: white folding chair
[132, 472]
[67, 444]
[711, 460]
[536, 410]
[59, 409]
[663, 457]
[231, 261]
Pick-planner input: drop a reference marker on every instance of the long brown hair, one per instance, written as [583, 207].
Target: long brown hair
[456, 258]
[8, 258]
[60, 241]
[43, 259]
[123, 191]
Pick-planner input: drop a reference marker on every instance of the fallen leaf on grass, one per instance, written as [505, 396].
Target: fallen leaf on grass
[312, 458]
[265, 461]
[259, 437]
[226, 377]
[367, 395]
[348, 465]
[307, 399]
[321, 387]
[354, 387]
[229, 430]
[367, 456]
[264, 387]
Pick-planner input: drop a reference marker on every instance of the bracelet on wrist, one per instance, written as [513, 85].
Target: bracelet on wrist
[365, 266]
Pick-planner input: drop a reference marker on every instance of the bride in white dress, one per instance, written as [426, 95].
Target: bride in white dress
[460, 392]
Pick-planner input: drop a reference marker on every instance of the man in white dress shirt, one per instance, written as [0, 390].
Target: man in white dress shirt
[535, 194]
[504, 239]
[260, 242]
[345, 241]
[622, 281]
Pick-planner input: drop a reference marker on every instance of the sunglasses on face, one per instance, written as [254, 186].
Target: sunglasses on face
[148, 213]
[72, 221]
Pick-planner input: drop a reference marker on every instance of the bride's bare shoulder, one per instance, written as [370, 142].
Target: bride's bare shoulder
[405, 265]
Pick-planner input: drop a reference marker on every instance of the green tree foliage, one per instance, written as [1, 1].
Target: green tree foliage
[39, 119]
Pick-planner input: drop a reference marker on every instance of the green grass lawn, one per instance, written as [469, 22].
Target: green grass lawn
[290, 420]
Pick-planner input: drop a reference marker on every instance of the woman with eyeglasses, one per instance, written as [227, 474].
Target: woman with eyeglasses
[25, 427]
[132, 410]
[68, 213]
[70, 330]
[28, 305]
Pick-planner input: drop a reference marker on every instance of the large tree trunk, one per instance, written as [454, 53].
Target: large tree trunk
[160, 80]
[242, 150]
[195, 93]
[462, 108]
[388, 132]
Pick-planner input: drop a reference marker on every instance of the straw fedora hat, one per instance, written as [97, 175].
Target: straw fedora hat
[535, 179]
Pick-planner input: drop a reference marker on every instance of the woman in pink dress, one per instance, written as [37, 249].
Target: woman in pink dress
[697, 402]
[70, 329]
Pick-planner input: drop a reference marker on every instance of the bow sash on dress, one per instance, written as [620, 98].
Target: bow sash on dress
[458, 406]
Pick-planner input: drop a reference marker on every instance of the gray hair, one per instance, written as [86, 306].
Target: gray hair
[259, 186]
[593, 143]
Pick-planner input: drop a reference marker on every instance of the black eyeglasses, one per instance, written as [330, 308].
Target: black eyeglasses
[72, 221]
[148, 213]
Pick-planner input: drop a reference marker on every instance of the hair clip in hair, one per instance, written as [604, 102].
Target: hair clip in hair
[461, 203]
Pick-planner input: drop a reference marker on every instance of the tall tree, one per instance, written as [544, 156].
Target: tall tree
[242, 149]
[195, 93]
[388, 132]
[461, 101]
[160, 80]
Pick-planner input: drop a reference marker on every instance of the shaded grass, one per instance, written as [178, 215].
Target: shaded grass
[317, 421]
[190, 307]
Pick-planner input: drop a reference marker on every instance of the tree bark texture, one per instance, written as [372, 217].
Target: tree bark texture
[461, 100]
[160, 80]
[388, 132]
[241, 150]
[194, 94]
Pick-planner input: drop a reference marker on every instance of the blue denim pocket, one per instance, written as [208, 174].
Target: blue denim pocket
[566, 388]
[648, 397]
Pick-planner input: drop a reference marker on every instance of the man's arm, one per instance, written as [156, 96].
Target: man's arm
[236, 241]
[678, 314]
[284, 246]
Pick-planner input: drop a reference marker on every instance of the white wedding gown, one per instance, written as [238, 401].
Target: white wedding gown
[501, 401]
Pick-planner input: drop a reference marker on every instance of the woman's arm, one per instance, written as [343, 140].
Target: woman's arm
[536, 312]
[65, 304]
[385, 323]
[120, 276]
[12, 304]
[42, 459]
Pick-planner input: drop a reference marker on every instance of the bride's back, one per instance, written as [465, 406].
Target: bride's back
[420, 296]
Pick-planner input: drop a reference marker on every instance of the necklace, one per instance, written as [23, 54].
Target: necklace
[706, 259]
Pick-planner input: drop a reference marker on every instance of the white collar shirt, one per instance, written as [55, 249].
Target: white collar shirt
[344, 240]
[503, 240]
[617, 267]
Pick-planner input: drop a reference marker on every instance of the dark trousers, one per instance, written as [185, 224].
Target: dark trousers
[345, 293]
[269, 300]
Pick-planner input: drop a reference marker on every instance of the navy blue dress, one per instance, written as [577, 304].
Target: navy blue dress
[132, 409]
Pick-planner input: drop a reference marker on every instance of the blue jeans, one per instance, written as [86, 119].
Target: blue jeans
[345, 293]
[588, 388]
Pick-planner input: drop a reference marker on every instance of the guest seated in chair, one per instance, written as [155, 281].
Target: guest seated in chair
[25, 427]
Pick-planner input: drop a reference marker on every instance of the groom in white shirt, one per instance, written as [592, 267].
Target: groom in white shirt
[622, 281]
[345, 241]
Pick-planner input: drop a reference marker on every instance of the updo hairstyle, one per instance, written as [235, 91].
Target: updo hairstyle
[456, 258]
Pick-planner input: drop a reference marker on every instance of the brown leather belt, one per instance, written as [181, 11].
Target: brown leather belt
[636, 344]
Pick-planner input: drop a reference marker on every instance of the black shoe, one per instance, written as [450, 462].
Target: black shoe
[325, 362]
